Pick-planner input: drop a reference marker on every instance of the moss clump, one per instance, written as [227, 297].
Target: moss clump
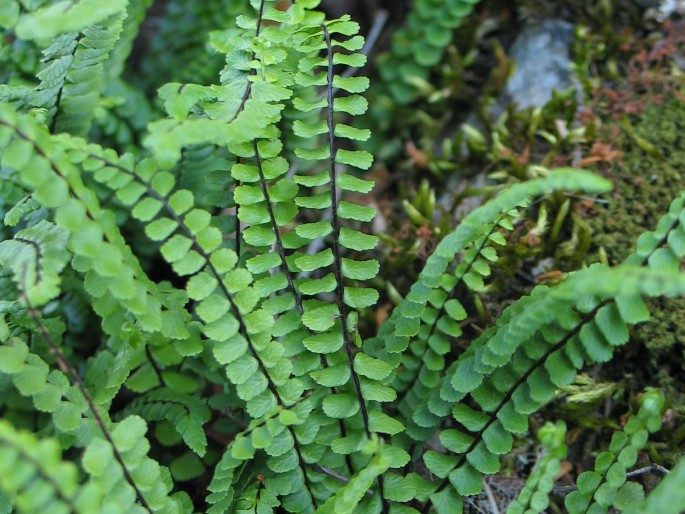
[649, 175]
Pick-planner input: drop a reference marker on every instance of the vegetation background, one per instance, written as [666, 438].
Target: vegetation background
[467, 99]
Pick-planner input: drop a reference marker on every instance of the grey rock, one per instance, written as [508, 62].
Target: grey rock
[542, 56]
[666, 8]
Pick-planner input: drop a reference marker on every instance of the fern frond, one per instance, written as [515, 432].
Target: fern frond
[347, 499]
[440, 325]
[36, 479]
[187, 413]
[534, 497]
[85, 32]
[76, 109]
[25, 206]
[606, 486]
[37, 255]
[407, 321]
[421, 44]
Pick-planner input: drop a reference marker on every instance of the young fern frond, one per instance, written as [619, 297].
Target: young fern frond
[440, 324]
[37, 255]
[406, 319]
[421, 45]
[606, 486]
[71, 84]
[534, 497]
[187, 413]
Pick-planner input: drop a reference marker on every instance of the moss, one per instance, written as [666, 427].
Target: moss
[644, 184]
[647, 177]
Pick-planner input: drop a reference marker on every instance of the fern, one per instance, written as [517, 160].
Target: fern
[205, 286]
[34, 474]
[667, 497]
[534, 497]
[606, 485]
[409, 62]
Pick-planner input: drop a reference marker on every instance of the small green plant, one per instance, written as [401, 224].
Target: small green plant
[421, 44]
[183, 325]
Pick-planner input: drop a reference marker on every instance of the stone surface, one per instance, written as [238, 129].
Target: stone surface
[542, 56]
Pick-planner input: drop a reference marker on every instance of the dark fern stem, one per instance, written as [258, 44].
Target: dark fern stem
[337, 262]
[279, 243]
[246, 97]
[36, 249]
[69, 370]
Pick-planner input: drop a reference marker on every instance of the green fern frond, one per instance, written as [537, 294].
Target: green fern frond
[534, 497]
[421, 45]
[37, 255]
[36, 479]
[606, 486]
[440, 324]
[187, 413]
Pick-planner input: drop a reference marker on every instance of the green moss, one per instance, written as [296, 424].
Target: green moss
[644, 184]
[648, 176]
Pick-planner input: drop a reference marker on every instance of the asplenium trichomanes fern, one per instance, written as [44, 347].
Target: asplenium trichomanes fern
[248, 371]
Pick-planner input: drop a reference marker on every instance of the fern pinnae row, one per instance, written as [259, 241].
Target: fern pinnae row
[452, 295]
[492, 416]
[277, 233]
[56, 487]
[600, 487]
[69, 370]
[246, 96]
[337, 266]
[248, 89]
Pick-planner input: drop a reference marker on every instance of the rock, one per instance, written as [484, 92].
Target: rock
[542, 56]
[665, 8]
